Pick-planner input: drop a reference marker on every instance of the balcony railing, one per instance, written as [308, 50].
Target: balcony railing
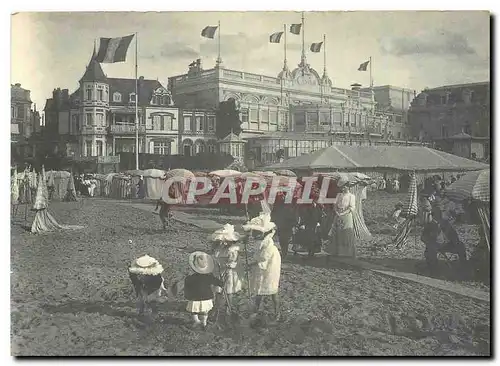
[126, 129]
[93, 130]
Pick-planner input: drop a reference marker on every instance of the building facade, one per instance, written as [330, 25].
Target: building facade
[447, 111]
[99, 119]
[22, 118]
[299, 104]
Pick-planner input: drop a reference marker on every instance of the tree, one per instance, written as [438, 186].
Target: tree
[228, 119]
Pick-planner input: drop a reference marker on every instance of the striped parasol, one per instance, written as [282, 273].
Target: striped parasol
[224, 173]
[264, 174]
[410, 210]
[285, 173]
[472, 186]
[179, 173]
[14, 188]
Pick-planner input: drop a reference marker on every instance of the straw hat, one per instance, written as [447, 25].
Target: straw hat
[146, 265]
[227, 233]
[201, 262]
[343, 180]
[261, 223]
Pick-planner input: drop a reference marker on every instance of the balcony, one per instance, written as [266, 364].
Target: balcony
[93, 130]
[125, 129]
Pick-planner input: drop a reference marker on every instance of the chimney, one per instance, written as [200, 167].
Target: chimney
[18, 85]
[65, 95]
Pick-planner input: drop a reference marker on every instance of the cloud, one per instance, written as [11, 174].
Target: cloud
[173, 50]
[436, 42]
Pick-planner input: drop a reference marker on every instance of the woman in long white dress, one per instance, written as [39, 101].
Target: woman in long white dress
[266, 266]
[342, 241]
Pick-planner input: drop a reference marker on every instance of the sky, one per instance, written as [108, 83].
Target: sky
[408, 49]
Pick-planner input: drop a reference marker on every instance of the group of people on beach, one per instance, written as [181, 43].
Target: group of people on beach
[220, 274]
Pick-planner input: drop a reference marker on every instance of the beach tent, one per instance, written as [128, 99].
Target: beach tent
[153, 183]
[378, 158]
[58, 182]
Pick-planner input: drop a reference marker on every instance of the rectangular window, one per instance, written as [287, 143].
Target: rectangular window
[273, 117]
[88, 94]
[89, 119]
[324, 118]
[20, 112]
[99, 146]
[88, 148]
[100, 119]
[156, 122]
[352, 119]
[300, 123]
[337, 118]
[132, 97]
[211, 123]
[312, 120]
[168, 123]
[244, 115]
[399, 135]
[187, 123]
[161, 148]
[254, 117]
[100, 95]
[264, 115]
[12, 112]
[199, 123]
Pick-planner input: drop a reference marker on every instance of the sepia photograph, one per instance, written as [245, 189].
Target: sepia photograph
[250, 183]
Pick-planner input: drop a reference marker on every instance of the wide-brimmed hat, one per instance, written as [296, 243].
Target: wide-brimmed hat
[226, 233]
[201, 262]
[146, 265]
[261, 223]
[343, 181]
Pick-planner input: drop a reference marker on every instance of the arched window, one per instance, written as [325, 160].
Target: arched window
[117, 97]
[187, 147]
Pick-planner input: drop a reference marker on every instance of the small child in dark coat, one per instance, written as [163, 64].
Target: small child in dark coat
[198, 287]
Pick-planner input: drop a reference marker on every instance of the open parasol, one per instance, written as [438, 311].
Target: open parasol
[472, 186]
[264, 174]
[285, 173]
[225, 173]
[184, 173]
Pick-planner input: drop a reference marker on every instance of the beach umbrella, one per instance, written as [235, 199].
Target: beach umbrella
[179, 173]
[410, 209]
[472, 186]
[225, 173]
[264, 174]
[285, 173]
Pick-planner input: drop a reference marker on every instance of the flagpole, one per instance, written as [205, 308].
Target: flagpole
[284, 32]
[218, 44]
[136, 111]
[303, 40]
[371, 79]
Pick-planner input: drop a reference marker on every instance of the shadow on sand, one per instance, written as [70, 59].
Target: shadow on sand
[120, 309]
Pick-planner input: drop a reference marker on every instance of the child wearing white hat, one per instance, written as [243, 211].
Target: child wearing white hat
[266, 267]
[226, 254]
[198, 287]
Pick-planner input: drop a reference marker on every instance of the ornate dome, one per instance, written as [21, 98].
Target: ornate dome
[305, 75]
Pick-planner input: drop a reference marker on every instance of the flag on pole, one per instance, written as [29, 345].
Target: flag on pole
[295, 28]
[316, 47]
[363, 66]
[113, 50]
[209, 31]
[275, 37]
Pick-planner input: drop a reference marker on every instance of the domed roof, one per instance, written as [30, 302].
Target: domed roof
[305, 75]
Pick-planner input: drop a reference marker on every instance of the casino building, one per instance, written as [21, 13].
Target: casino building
[296, 112]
